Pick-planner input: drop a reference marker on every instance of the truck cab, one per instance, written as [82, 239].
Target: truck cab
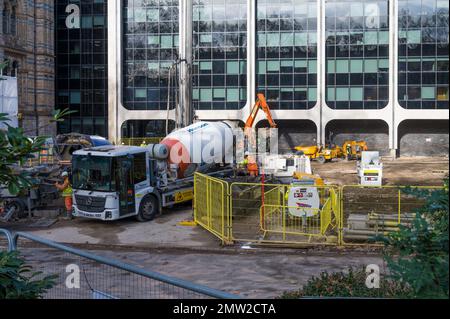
[114, 182]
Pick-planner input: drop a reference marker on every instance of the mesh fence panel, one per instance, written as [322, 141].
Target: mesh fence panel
[81, 278]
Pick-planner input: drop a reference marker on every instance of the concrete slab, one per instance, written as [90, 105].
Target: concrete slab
[161, 232]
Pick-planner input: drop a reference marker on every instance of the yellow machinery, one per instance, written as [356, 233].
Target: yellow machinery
[305, 178]
[350, 150]
[320, 153]
[353, 149]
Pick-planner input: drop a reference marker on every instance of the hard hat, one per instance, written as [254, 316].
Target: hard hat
[246, 154]
[64, 174]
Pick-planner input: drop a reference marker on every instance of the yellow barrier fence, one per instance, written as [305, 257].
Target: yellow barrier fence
[211, 209]
[260, 213]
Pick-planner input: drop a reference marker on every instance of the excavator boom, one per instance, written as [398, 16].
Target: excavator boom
[261, 103]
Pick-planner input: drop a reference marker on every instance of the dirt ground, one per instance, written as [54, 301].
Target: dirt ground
[405, 171]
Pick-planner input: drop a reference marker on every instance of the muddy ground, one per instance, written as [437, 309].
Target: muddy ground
[418, 171]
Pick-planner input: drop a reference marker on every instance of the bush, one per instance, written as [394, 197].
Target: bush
[348, 284]
[18, 282]
[418, 254]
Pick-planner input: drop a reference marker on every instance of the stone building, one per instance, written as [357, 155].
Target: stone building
[27, 42]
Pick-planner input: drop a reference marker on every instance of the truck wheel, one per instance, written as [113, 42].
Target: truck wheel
[19, 208]
[148, 209]
[321, 159]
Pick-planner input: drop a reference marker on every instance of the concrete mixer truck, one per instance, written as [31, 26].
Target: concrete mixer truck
[114, 182]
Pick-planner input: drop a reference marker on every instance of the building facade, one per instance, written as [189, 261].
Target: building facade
[81, 65]
[27, 42]
[330, 69]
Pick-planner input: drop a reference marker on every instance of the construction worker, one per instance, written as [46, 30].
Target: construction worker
[348, 151]
[242, 166]
[143, 144]
[252, 167]
[66, 188]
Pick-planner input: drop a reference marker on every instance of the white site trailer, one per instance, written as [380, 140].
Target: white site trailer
[114, 182]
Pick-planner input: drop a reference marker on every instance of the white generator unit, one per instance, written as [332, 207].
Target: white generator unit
[370, 169]
[284, 166]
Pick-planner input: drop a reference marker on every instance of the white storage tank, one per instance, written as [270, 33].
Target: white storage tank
[199, 147]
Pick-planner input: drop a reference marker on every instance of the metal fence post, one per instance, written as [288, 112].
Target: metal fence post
[9, 238]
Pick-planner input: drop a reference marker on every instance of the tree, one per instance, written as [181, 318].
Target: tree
[417, 255]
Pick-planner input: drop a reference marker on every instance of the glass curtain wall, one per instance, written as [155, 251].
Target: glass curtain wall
[357, 54]
[423, 54]
[287, 53]
[219, 54]
[150, 42]
[81, 67]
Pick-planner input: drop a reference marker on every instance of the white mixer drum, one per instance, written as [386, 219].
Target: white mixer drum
[199, 146]
[303, 201]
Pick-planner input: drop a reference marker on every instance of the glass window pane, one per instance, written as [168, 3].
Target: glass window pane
[414, 36]
[75, 97]
[383, 63]
[330, 66]
[383, 37]
[140, 15]
[342, 66]
[330, 94]
[370, 66]
[371, 37]
[357, 9]
[232, 95]
[428, 93]
[356, 66]
[205, 65]
[301, 39]
[219, 93]
[261, 67]
[140, 93]
[287, 40]
[205, 95]
[273, 66]
[312, 94]
[166, 41]
[342, 94]
[312, 66]
[273, 39]
[232, 67]
[356, 94]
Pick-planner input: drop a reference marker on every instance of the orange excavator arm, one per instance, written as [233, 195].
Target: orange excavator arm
[261, 103]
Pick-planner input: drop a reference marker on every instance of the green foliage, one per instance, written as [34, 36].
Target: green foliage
[418, 254]
[348, 284]
[16, 148]
[17, 281]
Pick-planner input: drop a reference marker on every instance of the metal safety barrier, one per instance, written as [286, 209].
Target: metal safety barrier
[7, 242]
[258, 212]
[102, 277]
[211, 206]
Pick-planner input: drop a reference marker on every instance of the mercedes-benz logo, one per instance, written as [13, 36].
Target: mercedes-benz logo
[89, 201]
